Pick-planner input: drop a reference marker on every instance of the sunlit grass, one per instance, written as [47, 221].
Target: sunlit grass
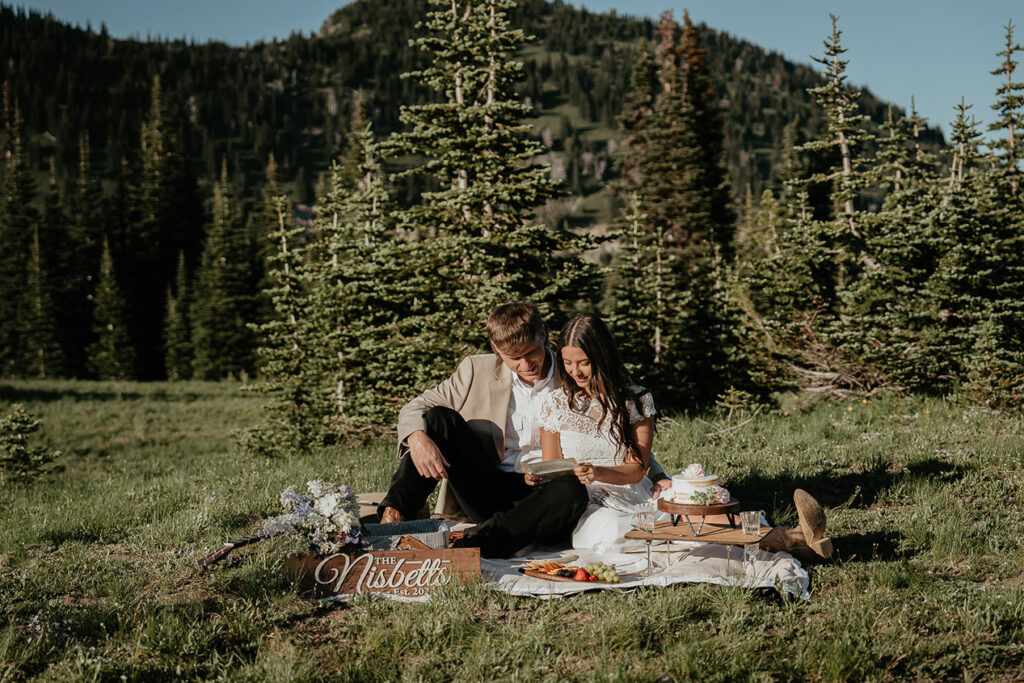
[97, 574]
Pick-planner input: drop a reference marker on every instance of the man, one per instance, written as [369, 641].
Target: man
[476, 430]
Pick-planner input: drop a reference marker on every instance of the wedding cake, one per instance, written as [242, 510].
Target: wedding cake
[695, 487]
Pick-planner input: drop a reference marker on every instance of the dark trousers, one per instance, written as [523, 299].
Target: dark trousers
[510, 513]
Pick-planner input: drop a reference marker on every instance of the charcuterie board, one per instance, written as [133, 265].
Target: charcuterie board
[554, 577]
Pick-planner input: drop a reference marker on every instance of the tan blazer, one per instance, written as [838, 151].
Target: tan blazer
[479, 390]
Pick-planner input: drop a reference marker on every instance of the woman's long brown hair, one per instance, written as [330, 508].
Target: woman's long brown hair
[610, 382]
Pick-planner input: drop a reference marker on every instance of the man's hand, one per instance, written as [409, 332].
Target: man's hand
[531, 479]
[660, 486]
[426, 456]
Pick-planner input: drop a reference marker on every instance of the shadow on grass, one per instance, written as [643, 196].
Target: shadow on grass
[853, 489]
[872, 546]
[19, 394]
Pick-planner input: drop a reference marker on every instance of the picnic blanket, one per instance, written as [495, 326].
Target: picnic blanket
[675, 563]
[683, 563]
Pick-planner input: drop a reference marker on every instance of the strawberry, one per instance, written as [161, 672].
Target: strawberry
[582, 575]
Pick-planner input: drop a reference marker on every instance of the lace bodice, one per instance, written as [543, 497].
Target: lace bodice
[580, 434]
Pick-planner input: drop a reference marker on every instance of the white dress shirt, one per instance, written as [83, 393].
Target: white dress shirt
[522, 430]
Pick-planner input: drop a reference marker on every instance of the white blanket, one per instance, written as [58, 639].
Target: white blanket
[682, 563]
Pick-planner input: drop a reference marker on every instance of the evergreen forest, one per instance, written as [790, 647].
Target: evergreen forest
[334, 215]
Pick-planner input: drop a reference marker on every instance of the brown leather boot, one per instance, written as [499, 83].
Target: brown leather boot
[782, 539]
[812, 522]
[787, 540]
[391, 515]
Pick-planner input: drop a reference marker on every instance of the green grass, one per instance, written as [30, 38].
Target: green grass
[97, 574]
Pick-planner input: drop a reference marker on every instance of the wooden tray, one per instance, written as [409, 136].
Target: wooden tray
[698, 510]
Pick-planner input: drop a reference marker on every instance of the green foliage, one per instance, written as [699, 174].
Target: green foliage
[17, 219]
[45, 358]
[111, 356]
[1009, 106]
[293, 416]
[677, 333]
[224, 305]
[477, 241]
[20, 461]
[178, 353]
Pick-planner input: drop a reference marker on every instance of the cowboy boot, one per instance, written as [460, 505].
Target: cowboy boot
[787, 540]
[812, 523]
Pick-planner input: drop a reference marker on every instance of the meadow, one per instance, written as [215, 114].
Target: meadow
[98, 578]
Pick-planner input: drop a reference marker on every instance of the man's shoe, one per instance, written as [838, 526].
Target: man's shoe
[391, 515]
[812, 522]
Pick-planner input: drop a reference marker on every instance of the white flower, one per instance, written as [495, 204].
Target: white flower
[327, 505]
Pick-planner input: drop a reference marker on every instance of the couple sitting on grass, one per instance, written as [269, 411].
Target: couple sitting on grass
[526, 403]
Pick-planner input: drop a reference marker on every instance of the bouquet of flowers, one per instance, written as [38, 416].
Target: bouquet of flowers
[325, 517]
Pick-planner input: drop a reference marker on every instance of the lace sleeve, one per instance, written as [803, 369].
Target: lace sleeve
[547, 416]
[642, 407]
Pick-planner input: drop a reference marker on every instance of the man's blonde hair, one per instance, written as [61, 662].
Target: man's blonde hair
[513, 325]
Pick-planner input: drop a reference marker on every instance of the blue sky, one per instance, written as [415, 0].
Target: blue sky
[934, 50]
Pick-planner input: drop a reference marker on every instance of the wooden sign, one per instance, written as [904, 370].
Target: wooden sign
[409, 573]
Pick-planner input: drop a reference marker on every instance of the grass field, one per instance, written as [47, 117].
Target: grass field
[97, 574]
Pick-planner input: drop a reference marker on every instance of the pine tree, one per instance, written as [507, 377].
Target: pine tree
[18, 219]
[44, 357]
[973, 323]
[224, 305]
[86, 221]
[637, 111]
[478, 245]
[1010, 108]
[688, 202]
[178, 352]
[645, 299]
[169, 221]
[879, 311]
[111, 356]
[358, 281]
[292, 423]
[843, 137]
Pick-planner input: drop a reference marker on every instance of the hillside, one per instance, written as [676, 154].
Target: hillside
[293, 98]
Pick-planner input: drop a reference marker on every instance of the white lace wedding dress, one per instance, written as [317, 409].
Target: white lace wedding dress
[609, 515]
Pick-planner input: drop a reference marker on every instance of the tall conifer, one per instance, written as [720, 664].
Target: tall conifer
[111, 355]
[479, 242]
[1009, 106]
[44, 356]
[18, 219]
[178, 352]
[224, 305]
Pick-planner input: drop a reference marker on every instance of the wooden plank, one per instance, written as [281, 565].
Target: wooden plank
[716, 530]
[409, 573]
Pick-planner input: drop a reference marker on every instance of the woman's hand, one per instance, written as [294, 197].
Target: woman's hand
[585, 472]
[531, 479]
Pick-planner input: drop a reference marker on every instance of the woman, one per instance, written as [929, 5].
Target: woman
[604, 421]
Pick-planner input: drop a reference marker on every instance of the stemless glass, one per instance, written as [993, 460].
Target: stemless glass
[750, 520]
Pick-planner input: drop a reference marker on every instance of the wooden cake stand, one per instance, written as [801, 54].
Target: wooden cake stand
[686, 510]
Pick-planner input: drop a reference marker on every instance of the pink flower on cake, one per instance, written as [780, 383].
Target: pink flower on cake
[693, 471]
[721, 496]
